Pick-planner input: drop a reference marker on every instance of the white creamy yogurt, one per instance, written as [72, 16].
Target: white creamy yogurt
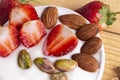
[9, 69]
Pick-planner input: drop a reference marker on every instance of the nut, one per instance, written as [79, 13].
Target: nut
[44, 65]
[87, 62]
[73, 21]
[75, 56]
[87, 31]
[59, 76]
[24, 59]
[49, 17]
[91, 46]
[65, 65]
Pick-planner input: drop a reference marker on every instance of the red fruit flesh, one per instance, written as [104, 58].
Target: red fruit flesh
[5, 8]
[91, 11]
[8, 40]
[21, 14]
[59, 42]
[32, 32]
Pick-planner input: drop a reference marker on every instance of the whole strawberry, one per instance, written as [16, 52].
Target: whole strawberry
[98, 12]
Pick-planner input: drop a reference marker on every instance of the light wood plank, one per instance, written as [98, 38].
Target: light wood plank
[112, 52]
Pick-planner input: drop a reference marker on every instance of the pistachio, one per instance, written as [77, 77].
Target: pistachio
[44, 65]
[59, 76]
[24, 59]
[65, 64]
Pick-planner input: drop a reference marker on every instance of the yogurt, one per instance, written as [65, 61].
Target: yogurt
[9, 69]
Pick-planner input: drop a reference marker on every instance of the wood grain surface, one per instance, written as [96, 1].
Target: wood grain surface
[110, 37]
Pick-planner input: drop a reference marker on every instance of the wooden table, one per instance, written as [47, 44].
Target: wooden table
[110, 37]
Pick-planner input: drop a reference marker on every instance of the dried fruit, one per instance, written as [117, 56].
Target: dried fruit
[24, 59]
[74, 21]
[65, 64]
[59, 76]
[44, 65]
[91, 46]
[87, 62]
[49, 16]
[87, 31]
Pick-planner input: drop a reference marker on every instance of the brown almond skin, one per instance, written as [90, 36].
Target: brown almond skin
[87, 31]
[87, 62]
[49, 17]
[75, 56]
[91, 46]
[73, 21]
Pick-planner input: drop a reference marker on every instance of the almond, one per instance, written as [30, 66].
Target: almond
[91, 46]
[49, 17]
[72, 20]
[75, 56]
[87, 31]
[86, 62]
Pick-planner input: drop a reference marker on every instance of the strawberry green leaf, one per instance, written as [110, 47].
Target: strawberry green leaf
[103, 13]
[108, 17]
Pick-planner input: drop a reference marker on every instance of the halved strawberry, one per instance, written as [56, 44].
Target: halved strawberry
[8, 40]
[60, 41]
[5, 8]
[21, 14]
[32, 32]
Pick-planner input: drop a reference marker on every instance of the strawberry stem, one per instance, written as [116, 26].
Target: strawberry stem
[114, 13]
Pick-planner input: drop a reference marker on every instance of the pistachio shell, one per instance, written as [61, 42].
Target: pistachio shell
[65, 64]
[59, 76]
[24, 59]
[44, 65]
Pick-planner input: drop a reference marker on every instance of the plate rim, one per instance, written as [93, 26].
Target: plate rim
[102, 60]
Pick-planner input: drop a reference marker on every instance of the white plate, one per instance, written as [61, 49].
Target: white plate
[9, 69]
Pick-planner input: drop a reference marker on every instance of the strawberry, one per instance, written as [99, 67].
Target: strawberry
[32, 32]
[60, 41]
[21, 14]
[98, 12]
[5, 8]
[8, 40]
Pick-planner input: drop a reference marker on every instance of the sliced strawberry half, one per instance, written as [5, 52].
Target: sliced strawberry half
[21, 14]
[5, 8]
[60, 41]
[32, 32]
[8, 40]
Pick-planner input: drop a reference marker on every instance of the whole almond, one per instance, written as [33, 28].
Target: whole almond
[49, 17]
[73, 21]
[87, 31]
[91, 46]
[86, 62]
